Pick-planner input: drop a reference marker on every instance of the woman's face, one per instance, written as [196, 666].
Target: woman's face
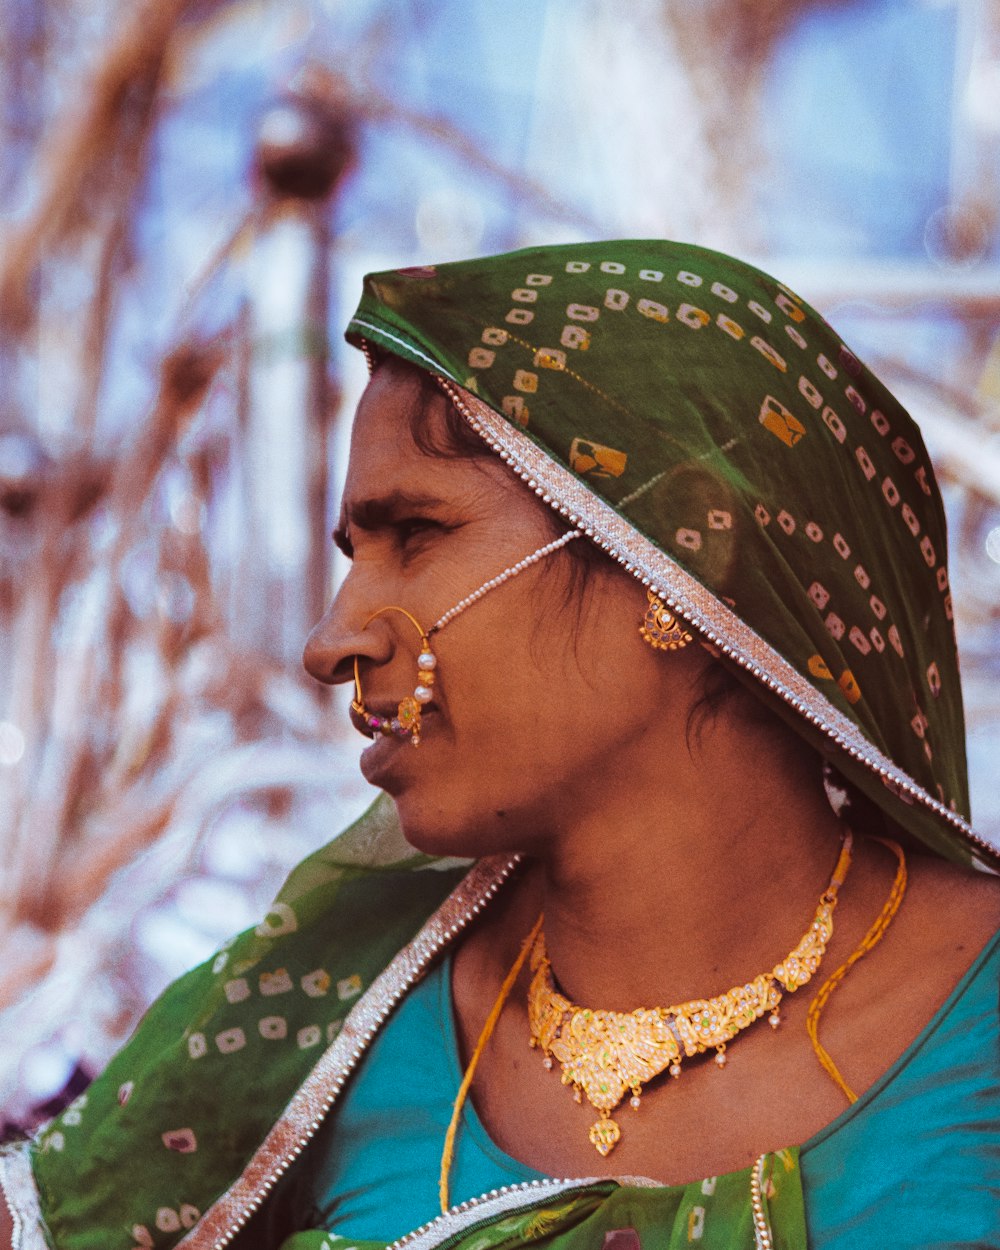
[543, 701]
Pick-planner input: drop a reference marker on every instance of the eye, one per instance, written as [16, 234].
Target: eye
[411, 529]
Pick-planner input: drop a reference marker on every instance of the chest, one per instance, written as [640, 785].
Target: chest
[773, 1091]
[524, 1122]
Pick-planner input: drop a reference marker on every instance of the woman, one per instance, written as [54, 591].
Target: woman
[650, 570]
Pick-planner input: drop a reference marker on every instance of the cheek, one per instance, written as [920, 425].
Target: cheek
[558, 685]
[526, 731]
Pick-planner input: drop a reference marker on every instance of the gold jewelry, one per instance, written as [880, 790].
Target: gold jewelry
[406, 722]
[491, 1022]
[871, 938]
[604, 1054]
[661, 628]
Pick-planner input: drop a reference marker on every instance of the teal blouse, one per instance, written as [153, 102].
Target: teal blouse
[914, 1162]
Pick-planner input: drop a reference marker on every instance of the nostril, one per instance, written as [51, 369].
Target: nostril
[341, 672]
[324, 667]
[330, 659]
[330, 649]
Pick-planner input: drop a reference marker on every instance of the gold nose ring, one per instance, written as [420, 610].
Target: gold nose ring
[406, 722]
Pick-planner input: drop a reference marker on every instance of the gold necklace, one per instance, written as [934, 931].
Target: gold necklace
[870, 940]
[605, 1054]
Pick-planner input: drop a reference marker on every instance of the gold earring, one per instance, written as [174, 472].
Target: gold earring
[661, 628]
[406, 722]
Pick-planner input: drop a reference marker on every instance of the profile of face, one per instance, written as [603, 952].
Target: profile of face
[546, 698]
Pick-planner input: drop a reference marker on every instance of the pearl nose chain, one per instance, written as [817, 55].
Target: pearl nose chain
[406, 722]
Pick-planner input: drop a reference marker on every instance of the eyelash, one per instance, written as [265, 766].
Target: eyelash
[413, 527]
[405, 530]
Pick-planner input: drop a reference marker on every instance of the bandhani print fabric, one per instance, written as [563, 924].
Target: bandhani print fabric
[237, 1057]
[712, 1214]
[181, 1139]
[711, 431]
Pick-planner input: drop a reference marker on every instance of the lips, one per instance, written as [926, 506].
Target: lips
[388, 760]
[385, 713]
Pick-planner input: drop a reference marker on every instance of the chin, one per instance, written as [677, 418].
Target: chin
[437, 830]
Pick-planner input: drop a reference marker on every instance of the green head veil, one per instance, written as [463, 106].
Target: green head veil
[712, 433]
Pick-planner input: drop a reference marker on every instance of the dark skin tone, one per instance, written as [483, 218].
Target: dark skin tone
[669, 866]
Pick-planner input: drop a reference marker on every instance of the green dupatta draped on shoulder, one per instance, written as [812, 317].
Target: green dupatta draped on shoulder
[179, 1142]
[238, 1058]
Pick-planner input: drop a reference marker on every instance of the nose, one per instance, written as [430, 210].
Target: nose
[338, 637]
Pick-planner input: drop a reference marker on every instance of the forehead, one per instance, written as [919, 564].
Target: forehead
[384, 455]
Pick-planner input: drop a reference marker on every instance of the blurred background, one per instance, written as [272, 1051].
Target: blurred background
[190, 193]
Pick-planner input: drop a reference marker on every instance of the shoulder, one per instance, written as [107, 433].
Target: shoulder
[218, 1058]
[918, 1148]
[947, 918]
[937, 960]
[950, 916]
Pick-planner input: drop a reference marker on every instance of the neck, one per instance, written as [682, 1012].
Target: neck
[658, 899]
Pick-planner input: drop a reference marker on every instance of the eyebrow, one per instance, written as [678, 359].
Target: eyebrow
[379, 512]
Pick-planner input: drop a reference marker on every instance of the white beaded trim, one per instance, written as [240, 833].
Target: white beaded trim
[509, 572]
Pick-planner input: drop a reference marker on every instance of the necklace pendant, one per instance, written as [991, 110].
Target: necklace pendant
[605, 1135]
[605, 1055]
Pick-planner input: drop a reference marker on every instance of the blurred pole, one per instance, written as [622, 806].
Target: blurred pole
[303, 150]
[961, 234]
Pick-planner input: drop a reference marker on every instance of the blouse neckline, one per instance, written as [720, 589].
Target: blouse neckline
[472, 1122]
